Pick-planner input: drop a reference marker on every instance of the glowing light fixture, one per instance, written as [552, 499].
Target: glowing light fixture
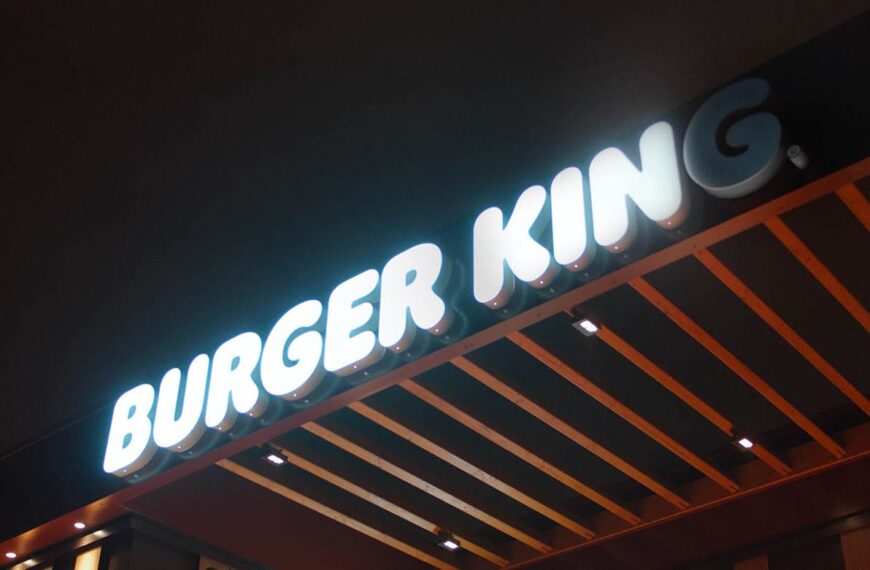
[88, 560]
[447, 541]
[79, 525]
[275, 459]
[741, 440]
[11, 555]
[587, 326]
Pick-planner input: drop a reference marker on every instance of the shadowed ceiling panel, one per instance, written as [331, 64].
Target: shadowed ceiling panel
[465, 443]
[400, 452]
[707, 301]
[377, 481]
[834, 234]
[534, 380]
[663, 342]
[315, 488]
[768, 268]
[455, 386]
[627, 383]
[740, 524]
[257, 524]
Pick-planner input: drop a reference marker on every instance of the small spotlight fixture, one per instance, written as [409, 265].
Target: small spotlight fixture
[11, 555]
[586, 326]
[79, 525]
[275, 459]
[742, 441]
[447, 541]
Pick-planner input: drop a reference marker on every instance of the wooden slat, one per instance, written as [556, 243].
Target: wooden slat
[466, 467]
[385, 504]
[691, 399]
[856, 549]
[331, 513]
[818, 269]
[594, 391]
[774, 321]
[587, 443]
[855, 201]
[757, 563]
[411, 479]
[737, 366]
[511, 446]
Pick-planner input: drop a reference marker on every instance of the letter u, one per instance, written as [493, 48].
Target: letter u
[180, 432]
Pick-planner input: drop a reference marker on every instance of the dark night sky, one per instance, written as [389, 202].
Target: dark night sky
[174, 174]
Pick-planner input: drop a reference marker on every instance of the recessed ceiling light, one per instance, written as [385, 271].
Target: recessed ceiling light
[586, 326]
[11, 555]
[275, 459]
[447, 541]
[745, 442]
[79, 525]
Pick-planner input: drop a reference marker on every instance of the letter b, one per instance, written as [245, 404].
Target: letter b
[130, 447]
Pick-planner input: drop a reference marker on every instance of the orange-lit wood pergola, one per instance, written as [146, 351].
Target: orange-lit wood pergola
[499, 518]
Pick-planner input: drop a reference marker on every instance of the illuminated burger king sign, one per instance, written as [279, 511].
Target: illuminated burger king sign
[383, 310]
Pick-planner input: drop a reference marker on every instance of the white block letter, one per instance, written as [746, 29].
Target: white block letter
[655, 188]
[181, 433]
[409, 288]
[500, 249]
[291, 370]
[234, 363]
[351, 344]
[129, 447]
[755, 139]
[572, 247]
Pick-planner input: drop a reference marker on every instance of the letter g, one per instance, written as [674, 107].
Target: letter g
[755, 140]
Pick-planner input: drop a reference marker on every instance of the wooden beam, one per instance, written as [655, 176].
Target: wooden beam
[511, 446]
[856, 549]
[468, 468]
[633, 355]
[855, 201]
[587, 443]
[594, 391]
[716, 348]
[429, 488]
[818, 270]
[331, 513]
[385, 504]
[756, 563]
[774, 321]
